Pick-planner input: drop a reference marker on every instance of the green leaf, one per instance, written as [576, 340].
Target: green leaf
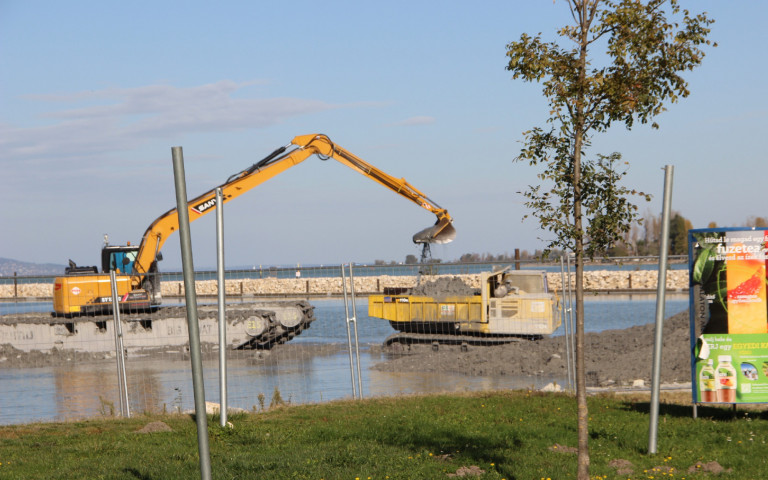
[704, 265]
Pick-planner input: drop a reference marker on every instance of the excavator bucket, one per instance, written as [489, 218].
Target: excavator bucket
[441, 232]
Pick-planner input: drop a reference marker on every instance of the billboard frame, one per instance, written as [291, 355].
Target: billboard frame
[750, 341]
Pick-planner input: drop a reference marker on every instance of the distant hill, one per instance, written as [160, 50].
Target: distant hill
[9, 266]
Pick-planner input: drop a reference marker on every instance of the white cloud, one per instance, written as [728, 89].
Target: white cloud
[418, 120]
[102, 121]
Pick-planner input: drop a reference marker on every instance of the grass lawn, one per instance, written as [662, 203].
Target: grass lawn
[499, 435]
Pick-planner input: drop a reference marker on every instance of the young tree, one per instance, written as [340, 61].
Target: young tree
[678, 234]
[758, 222]
[652, 225]
[646, 47]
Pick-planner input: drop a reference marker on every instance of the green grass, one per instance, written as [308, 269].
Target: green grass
[508, 435]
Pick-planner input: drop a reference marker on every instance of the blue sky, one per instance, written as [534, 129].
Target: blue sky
[94, 94]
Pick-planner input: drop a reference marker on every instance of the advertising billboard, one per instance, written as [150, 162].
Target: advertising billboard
[729, 315]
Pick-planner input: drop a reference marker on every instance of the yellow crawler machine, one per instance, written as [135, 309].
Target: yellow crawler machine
[509, 305]
[86, 290]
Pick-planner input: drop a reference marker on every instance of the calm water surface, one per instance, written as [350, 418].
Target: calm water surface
[86, 390]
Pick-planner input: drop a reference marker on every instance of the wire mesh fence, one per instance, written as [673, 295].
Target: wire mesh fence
[63, 368]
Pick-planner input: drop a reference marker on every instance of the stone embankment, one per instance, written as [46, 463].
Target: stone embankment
[599, 280]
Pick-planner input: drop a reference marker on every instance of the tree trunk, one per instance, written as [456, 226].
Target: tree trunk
[581, 376]
[578, 133]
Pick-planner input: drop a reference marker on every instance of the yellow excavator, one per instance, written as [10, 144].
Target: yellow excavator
[85, 290]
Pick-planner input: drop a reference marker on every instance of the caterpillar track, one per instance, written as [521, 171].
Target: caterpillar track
[265, 324]
[253, 325]
[410, 338]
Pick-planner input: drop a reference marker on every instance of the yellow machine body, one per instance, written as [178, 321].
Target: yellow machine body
[522, 307]
[82, 293]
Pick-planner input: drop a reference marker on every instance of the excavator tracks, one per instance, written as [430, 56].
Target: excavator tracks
[252, 325]
[409, 338]
[265, 324]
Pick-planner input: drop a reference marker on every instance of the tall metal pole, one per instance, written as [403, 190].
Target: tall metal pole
[660, 300]
[121, 356]
[564, 310]
[349, 333]
[222, 308]
[571, 312]
[192, 318]
[357, 344]
[121, 378]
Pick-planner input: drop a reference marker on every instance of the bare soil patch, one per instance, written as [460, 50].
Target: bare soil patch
[613, 357]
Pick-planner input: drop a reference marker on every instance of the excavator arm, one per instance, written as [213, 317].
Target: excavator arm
[300, 148]
[443, 230]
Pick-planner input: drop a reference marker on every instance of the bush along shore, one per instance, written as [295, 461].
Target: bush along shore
[595, 281]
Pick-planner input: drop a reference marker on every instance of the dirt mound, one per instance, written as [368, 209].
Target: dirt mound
[153, 427]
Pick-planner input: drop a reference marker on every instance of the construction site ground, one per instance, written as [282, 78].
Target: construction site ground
[613, 357]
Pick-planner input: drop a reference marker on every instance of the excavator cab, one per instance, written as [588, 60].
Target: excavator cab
[118, 258]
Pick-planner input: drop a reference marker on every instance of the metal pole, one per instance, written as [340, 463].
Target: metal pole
[116, 317]
[121, 355]
[571, 320]
[349, 335]
[192, 318]
[660, 300]
[563, 312]
[222, 308]
[357, 343]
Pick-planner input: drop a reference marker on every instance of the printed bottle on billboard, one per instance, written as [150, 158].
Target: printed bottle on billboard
[708, 383]
[726, 380]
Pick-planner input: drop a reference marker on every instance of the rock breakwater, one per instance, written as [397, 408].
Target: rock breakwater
[598, 280]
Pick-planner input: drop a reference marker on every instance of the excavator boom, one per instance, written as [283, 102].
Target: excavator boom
[443, 230]
[283, 158]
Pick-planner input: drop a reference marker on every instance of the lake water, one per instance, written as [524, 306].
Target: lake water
[80, 390]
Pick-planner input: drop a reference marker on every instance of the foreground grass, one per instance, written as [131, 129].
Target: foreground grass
[501, 435]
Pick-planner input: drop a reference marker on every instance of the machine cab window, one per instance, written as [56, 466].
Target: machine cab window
[119, 259]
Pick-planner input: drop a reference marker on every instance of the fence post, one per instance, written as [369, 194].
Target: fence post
[122, 380]
[222, 314]
[661, 286]
[356, 392]
[188, 270]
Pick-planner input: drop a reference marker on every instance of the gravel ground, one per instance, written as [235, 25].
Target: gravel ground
[613, 357]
